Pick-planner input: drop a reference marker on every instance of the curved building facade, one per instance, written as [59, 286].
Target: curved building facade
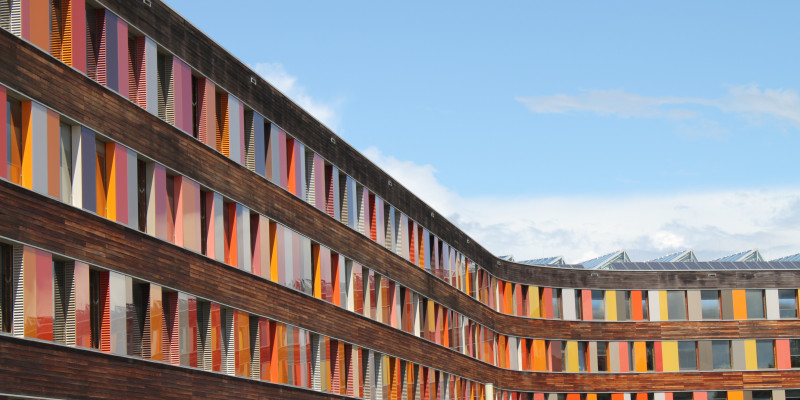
[173, 226]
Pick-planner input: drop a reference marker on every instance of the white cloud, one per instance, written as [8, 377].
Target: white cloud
[277, 76]
[713, 223]
[748, 100]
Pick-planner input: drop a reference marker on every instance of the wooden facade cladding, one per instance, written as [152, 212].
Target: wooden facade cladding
[67, 374]
[114, 376]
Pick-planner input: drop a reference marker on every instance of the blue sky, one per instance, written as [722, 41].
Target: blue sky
[554, 128]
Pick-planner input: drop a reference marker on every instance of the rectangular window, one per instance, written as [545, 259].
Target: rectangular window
[65, 162]
[95, 311]
[793, 394]
[765, 354]
[556, 364]
[602, 356]
[140, 341]
[5, 15]
[787, 302]
[687, 356]
[141, 193]
[755, 303]
[721, 350]
[6, 285]
[14, 140]
[556, 303]
[645, 310]
[166, 100]
[204, 225]
[794, 352]
[101, 178]
[762, 395]
[719, 395]
[61, 298]
[651, 356]
[676, 305]
[682, 395]
[709, 300]
[624, 309]
[598, 305]
[582, 354]
[195, 107]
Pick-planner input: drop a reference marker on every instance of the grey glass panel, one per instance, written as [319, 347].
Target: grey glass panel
[755, 303]
[676, 305]
[787, 302]
[762, 394]
[710, 304]
[722, 354]
[598, 306]
[792, 394]
[717, 395]
[794, 352]
[687, 356]
[765, 354]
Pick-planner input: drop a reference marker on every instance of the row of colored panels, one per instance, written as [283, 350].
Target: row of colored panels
[658, 356]
[145, 195]
[75, 304]
[639, 305]
[776, 394]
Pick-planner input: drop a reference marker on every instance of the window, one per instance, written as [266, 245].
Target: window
[141, 193]
[65, 162]
[721, 350]
[787, 303]
[792, 394]
[765, 354]
[721, 395]
[102, 178]
[682, 395]
[762, 395]
[61, 297]
[582, 354]
[645, 310]
[598, 305]
[6, 285]
[14, 140]
[166, 99]
[204, 227]
[602, 356]
[195, 107]
[651, 356]
[676, 305]
[687, 356]
[555, 349]
[95, 311]
[624, 309]
[5, 14]
[794, 352]
[556, 303]
[709, 300]
[755, 303]
[141, 320]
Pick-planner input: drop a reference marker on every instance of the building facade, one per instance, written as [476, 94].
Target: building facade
[172, 226]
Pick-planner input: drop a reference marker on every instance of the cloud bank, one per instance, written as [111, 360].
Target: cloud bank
[749, 101]
[713, 223]
[276, 75]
